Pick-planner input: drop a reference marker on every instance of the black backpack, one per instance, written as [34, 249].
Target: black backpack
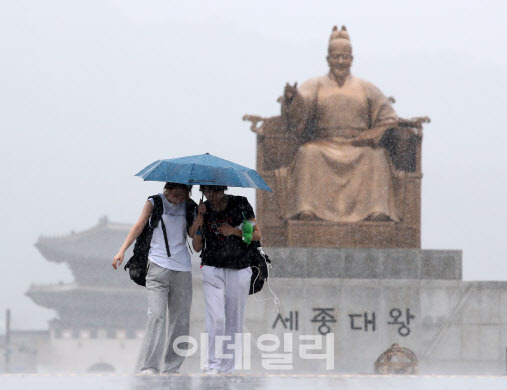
[138, 263]
[259, 264]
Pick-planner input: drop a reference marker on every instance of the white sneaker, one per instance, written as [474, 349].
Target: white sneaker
[211, 371]
[149, 371]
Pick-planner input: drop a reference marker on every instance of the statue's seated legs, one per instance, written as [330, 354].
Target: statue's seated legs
[335, 181]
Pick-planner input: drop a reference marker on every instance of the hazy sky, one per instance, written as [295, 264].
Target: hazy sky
[92, 91]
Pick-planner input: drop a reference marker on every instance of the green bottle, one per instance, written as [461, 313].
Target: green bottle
[248, 230]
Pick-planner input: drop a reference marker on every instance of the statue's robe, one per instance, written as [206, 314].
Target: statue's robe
[329, 177]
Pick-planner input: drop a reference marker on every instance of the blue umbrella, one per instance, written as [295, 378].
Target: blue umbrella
[203, 169]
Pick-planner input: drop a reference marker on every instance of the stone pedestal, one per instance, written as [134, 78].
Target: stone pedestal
[367, 234]
[453, 327]
[364, 263]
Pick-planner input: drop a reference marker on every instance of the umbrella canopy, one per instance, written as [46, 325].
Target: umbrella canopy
[203, 169]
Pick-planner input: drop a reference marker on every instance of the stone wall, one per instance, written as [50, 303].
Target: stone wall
[454, 327]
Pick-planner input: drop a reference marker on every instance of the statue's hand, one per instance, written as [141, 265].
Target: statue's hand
[362, 142]
[290, 91]
[370, 137]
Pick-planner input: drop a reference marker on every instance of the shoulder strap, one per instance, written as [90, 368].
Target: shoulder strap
[156, 216]
[165, 238]
[158, 210]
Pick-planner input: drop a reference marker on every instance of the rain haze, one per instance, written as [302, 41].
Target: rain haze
[91, 92]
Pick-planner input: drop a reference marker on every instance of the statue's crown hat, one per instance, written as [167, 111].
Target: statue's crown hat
[339, 34]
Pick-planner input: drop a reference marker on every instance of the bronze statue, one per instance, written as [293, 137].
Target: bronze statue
[341, 174]
[344, 151]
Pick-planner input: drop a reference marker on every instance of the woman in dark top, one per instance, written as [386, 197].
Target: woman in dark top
[226, 272]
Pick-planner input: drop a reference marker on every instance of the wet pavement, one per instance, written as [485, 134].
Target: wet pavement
[248, 382]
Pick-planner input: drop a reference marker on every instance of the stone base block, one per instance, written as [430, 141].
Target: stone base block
[364, 263]
[347, 235]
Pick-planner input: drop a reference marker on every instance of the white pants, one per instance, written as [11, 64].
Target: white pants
[225, 294]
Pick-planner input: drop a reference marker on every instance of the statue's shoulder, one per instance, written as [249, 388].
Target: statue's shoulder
[311, 85]
[364, 83]
[369, 88]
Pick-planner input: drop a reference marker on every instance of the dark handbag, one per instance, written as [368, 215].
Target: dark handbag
[259, 264]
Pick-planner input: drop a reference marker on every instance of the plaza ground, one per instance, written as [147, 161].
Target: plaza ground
[248, 382]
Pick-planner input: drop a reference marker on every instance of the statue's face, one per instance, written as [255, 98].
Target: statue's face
[340, 57]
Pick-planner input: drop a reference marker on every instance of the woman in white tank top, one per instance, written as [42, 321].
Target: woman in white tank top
[169, 279]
